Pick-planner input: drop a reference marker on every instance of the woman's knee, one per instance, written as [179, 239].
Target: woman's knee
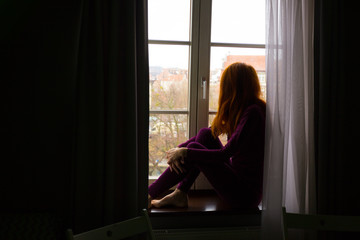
[207, 139]
[205, 132]
[204, 135]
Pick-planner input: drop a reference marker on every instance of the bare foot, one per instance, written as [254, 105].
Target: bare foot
[177, 198]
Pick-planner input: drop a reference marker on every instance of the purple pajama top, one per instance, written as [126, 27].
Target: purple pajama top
[243, 153]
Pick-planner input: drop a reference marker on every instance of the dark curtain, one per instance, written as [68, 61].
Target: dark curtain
[74, 115]
[337, 108]
[37, 90]
[111, 148]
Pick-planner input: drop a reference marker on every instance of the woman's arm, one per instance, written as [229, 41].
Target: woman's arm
[207, 155]
[248, 133]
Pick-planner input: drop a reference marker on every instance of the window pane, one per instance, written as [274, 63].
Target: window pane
[166, 131]
[222, 57]
[238, 21]
[168, 77]
[169, 20]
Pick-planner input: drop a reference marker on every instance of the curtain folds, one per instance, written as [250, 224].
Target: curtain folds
[289, 171]
[337, 100]
[110, 168]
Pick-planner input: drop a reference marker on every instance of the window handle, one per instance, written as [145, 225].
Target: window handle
[203, 85]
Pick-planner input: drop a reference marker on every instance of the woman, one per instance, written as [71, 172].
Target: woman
[235, 170]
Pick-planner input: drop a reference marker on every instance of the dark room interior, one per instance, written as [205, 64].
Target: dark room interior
[74, 121]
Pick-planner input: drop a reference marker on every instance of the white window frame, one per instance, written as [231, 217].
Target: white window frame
[199, 70]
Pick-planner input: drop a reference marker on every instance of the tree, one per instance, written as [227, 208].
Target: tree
[168, 92]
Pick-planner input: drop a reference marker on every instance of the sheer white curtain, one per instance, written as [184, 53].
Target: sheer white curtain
[289, 170]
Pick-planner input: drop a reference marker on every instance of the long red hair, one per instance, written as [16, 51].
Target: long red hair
[239, 88]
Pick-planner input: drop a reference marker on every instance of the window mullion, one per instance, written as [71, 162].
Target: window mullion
[201, 59]
[168, 42]
[204, 63]
[194, 64]
[237, 45]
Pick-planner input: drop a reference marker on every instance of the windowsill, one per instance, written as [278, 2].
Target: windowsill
[205, 210]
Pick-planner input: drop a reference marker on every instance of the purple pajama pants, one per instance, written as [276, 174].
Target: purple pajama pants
[220, 174]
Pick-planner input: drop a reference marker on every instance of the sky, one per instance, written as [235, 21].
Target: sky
[233, 21]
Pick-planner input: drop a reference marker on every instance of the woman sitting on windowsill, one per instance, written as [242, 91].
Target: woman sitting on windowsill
[235, 170]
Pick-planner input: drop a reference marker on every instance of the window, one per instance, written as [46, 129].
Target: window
[190, 43]
[169, 55]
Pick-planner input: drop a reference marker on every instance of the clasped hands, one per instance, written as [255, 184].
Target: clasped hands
[176, 159]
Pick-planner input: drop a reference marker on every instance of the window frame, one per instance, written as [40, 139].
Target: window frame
[198, 71]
